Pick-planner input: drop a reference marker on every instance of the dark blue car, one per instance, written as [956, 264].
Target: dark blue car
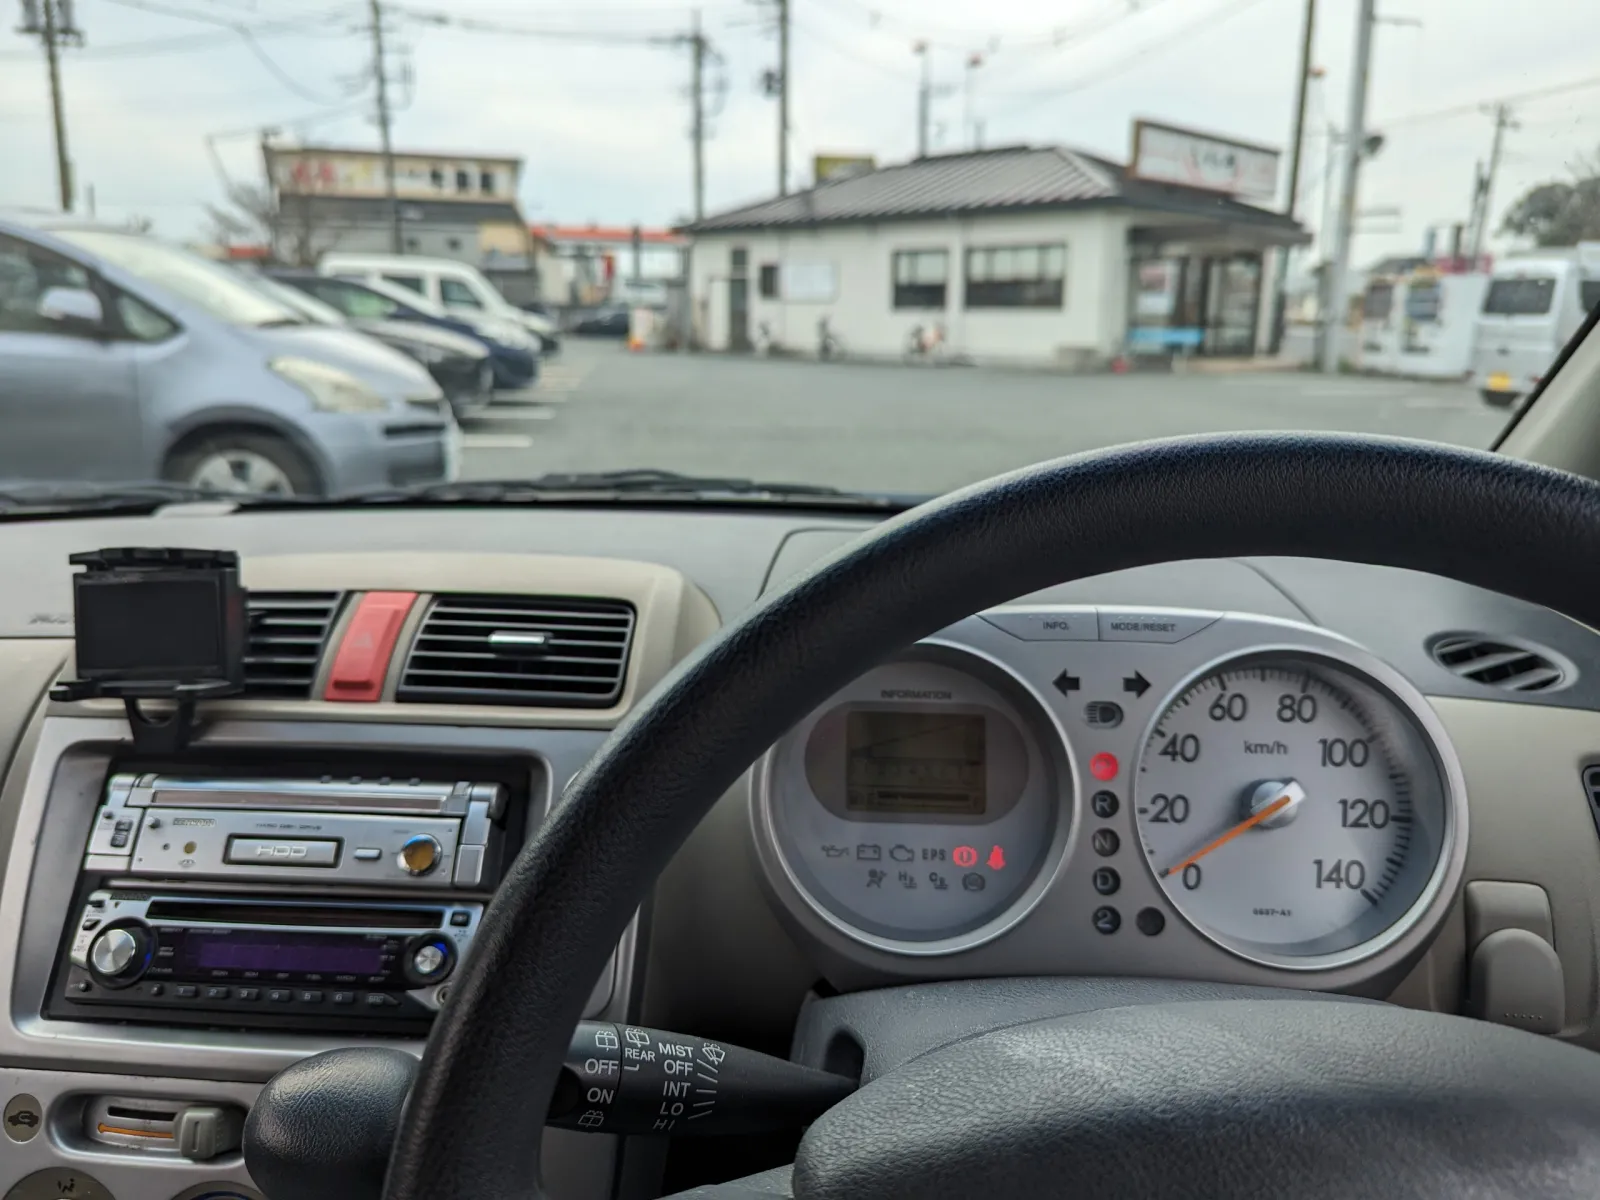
[515, 362]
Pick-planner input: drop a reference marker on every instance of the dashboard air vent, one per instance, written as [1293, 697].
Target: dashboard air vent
[287, 633]
[1499, 663]
[546, 650]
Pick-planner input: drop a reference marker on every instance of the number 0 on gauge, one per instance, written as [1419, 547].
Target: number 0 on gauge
[1296, 809]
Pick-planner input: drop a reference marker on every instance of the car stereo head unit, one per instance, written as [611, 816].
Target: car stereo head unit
[315, 904]
[407, 834]
[181, 958]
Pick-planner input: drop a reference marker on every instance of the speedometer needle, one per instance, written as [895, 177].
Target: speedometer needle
[1249, 822]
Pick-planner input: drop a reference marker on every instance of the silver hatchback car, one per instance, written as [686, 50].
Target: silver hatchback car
[126, 360]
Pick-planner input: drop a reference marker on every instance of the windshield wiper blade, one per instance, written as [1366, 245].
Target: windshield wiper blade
[64, 497]
[648, 483]
[40, 499]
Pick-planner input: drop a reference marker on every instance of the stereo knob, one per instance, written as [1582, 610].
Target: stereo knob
[420, 854]
[112, 952]
[428, 959]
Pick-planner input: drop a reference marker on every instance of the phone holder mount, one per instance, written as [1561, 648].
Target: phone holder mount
[166, 625]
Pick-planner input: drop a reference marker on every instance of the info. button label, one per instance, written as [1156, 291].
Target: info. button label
[282, 852]
[1046, 624]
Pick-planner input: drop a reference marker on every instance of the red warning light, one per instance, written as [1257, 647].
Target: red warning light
[997, 859]
[1104, 766]
[964, 856]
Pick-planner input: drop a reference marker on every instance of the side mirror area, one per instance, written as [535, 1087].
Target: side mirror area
[76, 307]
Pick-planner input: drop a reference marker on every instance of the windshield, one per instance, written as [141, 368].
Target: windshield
[217, 291]
[1375, 305]
[307, 306]
[888, 247]
[1520, 297]
[1423, 301]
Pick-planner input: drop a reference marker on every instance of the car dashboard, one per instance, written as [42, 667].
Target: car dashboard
[1280, 772]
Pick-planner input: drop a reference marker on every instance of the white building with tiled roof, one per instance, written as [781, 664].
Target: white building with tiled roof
[1036, 255]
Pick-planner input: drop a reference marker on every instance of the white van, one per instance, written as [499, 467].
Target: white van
[449, 284]
[1532, 308]
[1378, 342]
[1438, 324]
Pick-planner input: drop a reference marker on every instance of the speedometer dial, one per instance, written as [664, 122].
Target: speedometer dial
[1293, 809]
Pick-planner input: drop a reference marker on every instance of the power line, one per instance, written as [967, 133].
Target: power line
[1138, 58]
[1478, 106]
[595, 36]
[849, 52]
[1054, 37]
[245, 34]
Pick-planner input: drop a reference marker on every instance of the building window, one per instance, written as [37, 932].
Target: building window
[769, 281]
[486, 183]
[452, 243]
[436, 177]
[1016, 276]
[463, 181]
[920, 278]
[738, 260]
[413, 244]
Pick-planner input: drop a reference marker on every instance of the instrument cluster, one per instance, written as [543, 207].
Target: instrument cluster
[1077, 789]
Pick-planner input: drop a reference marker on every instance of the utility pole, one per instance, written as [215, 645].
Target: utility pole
[379, 70]
[697, 132]
[968, 128]
[1354, 146]
[52, 23]
[1483, 185]
[1296, 147]
[924, 98]
[783, 97]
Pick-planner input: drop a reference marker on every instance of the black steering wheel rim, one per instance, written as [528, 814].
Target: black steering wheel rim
[471, 1125]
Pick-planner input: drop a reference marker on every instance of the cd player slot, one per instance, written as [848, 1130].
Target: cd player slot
[213, 912]
[350, 795]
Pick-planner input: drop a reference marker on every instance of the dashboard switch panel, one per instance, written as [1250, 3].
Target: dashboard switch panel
[362, 661]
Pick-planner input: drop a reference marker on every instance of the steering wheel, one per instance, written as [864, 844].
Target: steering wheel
[1236, 1098]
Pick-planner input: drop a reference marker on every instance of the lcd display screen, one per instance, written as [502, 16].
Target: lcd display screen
[163, 624]
[899, 761]
[266, 951]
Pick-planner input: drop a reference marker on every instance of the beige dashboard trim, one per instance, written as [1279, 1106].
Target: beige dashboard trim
[674, 617]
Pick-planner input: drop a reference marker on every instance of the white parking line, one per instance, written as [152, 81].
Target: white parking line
[527, 400]
[495, 441]
[517, 414]
[1428, 400]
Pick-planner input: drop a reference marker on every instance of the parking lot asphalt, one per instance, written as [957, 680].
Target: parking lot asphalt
[908, 428]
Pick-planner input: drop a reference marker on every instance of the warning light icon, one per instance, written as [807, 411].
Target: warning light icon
[997, 859]
[964, 856]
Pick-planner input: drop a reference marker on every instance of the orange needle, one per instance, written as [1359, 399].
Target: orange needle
[1248, 823]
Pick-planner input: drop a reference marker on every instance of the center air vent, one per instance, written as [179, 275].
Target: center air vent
[1500, 663]
[546, 650]
[287, 631]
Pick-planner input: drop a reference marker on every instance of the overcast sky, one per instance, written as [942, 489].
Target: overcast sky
[603, 126]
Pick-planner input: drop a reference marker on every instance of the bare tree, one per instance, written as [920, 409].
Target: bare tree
[287, 223]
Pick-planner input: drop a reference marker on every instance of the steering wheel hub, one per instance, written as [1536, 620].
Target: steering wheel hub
[1236, 1098]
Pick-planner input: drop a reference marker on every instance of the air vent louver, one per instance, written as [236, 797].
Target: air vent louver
[287, 633]
[1498, 663]
[545, 650]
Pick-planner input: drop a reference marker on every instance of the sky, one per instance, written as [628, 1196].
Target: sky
[166, 99]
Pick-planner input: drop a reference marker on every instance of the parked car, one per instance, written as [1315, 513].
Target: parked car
[515, 361]
[611, 321]
[453, 286]
[459, 364]
[128, 360]
[1532, 308]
